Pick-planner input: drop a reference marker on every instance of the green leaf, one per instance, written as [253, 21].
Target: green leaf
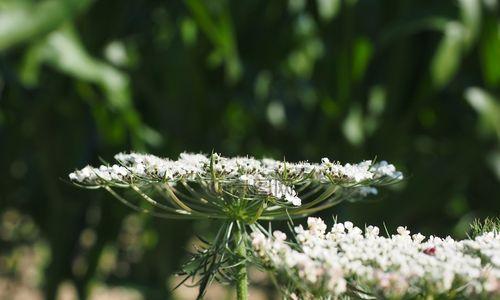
[31, 64]
[363, 51]
[66, 53]
[352, 127]
[487, 107]
[189, 31]
[25, 22]
[405, 28]
[219, 30]
[63, 51]
[470, 13]
[328, 9]
[490, 52]
[448, 55]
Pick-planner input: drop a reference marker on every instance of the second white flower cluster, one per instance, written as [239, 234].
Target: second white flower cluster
[347, 260]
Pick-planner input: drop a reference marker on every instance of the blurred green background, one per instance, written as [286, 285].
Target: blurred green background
[414, 82]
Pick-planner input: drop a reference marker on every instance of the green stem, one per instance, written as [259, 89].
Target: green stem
[241, 275]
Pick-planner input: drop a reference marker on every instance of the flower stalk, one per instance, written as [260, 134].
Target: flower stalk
[241, 273]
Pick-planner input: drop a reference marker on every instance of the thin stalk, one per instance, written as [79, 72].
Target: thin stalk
[241, 275]
[146, 211]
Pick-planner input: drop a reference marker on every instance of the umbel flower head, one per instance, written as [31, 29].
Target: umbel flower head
[241, 188]
[347, 261]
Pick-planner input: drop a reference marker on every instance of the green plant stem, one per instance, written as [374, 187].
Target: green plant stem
[241, 275]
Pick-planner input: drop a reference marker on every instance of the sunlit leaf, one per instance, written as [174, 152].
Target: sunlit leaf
[30, 68]
[276, 114]
[377, 99]
[64, 51]
[328, 9]
[295, 6]
[446, 60]
[25, 22]
[491, 5]
[116, 53]
[470, 11]
[353, 126]
[487, 107]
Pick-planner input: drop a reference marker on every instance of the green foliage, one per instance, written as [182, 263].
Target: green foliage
[479, 227]
[24, 21]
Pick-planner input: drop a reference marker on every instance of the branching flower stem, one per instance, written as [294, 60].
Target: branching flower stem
[241, 273]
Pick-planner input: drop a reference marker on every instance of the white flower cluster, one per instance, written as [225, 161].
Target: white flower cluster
[271, 177]
[344, 260]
